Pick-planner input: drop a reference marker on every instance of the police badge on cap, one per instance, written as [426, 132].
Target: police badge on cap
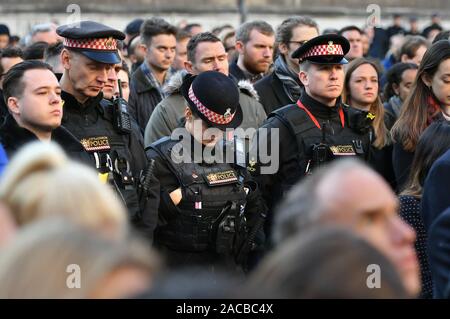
[214, 97]
[94, 40]
[324, 49]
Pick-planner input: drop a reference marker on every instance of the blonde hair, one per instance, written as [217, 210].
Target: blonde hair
[42, 182]
[45, 256]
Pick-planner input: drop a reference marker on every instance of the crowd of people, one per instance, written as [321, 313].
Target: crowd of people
[260, 161]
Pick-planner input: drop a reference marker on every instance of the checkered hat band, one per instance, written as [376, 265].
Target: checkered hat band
[324, 49]
[210, 115]
[102, 44]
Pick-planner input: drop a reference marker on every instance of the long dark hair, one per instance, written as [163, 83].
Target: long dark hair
[433, 143]
[420, 107]
[394, 76]
[376, 108]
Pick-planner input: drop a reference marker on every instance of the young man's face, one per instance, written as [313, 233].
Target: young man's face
[181, 54]
[161, 52]
[110, 86]
[324, 82]
[87, 77]
[8, 63]
[209, 56]
[257, 52]
[124, 84]
[356, 45]
[39, 107]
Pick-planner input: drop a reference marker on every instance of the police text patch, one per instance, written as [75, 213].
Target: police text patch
[221, 178]
[94, 144]
[342, 150]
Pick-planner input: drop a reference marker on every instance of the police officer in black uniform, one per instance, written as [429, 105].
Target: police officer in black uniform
[315, 130]
[210, 210]
[105, 130]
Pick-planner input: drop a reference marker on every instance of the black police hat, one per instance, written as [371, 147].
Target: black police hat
[134, 26]
[94, 40]
[324, 49]
[214, 97]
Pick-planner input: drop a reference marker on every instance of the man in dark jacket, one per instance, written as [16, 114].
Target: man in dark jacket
[283, 86]
[159, 41]
[298, 138]
[254, 43]
[108, 134]
[33, 96]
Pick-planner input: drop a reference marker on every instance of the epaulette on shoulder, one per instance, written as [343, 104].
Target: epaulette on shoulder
[247, 88]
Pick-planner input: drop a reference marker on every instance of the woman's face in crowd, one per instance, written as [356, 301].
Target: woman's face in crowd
[408, 77]
[440, 83]
[363, 86]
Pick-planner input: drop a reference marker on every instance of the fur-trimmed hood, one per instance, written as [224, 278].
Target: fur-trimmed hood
[176, 80]
[246, 87]
[174, 84]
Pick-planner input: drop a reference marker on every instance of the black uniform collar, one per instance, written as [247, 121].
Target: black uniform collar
[318, 109]
[71, 102]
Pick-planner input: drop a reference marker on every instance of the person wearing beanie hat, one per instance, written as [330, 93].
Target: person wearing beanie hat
[4, 36]
[206, 205]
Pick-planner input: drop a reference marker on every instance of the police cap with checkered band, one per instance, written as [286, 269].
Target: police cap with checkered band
[214, 97]
[324, 49]
[94, 40]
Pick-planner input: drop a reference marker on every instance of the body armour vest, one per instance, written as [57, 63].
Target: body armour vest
[111, 157]
[346, 136]
[211, 212]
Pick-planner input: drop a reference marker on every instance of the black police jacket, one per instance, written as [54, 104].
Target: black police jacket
[13, 137]
[295, 135]
[122, 156]
[206, 188]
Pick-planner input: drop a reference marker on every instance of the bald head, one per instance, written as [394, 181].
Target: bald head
[350, 194]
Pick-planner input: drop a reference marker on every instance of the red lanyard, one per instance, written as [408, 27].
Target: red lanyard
[313, 118]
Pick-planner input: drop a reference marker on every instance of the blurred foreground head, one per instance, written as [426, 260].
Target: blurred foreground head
[350, 194]
[40, 181]
[54, 258]
[327, 262]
